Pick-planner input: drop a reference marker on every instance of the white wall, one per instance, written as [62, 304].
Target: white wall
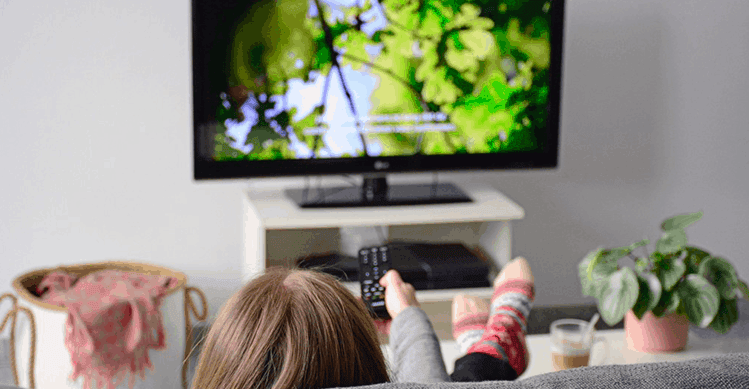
[96, 149]
[655, 122]
[95, 156]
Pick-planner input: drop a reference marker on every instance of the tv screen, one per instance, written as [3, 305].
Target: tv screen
[302, 87]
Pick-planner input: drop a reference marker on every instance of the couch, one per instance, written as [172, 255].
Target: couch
[724, 371]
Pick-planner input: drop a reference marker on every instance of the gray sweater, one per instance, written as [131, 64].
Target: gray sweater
[416, 349]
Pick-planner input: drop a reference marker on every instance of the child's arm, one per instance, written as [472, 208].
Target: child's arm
[416, 349]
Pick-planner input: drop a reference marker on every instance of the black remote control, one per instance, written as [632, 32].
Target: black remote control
[374, 262]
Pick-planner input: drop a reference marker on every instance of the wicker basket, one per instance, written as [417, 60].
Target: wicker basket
[38, 347]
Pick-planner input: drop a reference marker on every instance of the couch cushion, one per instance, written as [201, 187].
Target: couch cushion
[727, 371]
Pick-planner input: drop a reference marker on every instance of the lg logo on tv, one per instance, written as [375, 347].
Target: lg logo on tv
[381, 165]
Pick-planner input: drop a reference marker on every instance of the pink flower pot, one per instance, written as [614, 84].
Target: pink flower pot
[656, 334]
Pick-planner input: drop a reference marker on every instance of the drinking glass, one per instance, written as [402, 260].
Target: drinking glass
[571, 347]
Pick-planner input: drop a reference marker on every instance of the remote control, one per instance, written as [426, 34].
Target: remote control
[374, 262]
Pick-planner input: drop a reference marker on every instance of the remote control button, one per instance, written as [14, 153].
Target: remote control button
[365, 259]
[366, 274]
[378, 303]
[365, 289]
[367, 282]
[374, 261]
[375, 269]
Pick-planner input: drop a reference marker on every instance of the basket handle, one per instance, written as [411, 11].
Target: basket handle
[12, 315]
[190, 306]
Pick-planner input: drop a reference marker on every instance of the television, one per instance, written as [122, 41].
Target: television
[374, 87]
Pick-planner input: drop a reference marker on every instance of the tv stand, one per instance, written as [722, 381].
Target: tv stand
[376, 192]
[274, 222]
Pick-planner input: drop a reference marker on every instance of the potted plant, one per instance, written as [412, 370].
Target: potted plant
[664, 290]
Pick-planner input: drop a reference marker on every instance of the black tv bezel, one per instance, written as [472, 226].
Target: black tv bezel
[206, 168]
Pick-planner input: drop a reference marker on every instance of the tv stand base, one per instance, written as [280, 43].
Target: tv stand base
[376, 193]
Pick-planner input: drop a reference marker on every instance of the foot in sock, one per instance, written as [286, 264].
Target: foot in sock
[504, 337]
[470, 315]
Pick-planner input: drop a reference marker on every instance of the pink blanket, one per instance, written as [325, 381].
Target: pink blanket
[113, 320]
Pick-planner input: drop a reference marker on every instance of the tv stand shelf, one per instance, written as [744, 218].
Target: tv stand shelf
[266, 209]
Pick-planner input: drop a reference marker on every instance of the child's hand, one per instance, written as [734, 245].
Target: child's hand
[399, 295]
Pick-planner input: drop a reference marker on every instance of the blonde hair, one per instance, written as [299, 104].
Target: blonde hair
[291, 328]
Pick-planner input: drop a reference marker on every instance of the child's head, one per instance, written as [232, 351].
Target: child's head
[291, 328]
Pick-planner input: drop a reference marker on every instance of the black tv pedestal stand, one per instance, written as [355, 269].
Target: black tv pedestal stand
[374, 192]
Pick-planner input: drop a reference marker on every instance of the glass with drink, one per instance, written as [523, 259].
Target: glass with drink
[570, 345]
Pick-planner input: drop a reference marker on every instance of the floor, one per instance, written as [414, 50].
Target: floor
[538, 323]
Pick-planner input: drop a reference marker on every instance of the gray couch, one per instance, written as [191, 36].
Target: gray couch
[725, 371]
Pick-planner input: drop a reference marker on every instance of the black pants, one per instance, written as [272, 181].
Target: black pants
[477, 367]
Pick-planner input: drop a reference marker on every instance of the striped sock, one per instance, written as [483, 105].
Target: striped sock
[469, 331]
[470, 315]
[504, 337]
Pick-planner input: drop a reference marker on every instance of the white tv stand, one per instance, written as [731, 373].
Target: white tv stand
[266, 209]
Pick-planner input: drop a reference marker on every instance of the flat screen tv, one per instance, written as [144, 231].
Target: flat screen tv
[368, 87]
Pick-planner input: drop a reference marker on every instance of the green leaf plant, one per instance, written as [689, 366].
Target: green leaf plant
[675, 278]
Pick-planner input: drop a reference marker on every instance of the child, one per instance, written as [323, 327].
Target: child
[293, 328]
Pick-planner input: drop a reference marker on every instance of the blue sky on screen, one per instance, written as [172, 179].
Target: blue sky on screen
[341, 137]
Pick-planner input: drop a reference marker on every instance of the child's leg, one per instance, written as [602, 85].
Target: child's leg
[501, 352]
